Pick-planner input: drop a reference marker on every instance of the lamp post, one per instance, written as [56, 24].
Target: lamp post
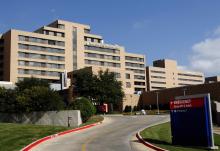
[158, 110]
[184, 91]
[131, 104]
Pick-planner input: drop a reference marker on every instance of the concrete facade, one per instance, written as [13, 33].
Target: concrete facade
[166, 95]
[64, 45]
[165, 74]
[56, 118]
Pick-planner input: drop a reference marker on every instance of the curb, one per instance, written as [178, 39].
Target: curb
[149, 144]
[41, 140]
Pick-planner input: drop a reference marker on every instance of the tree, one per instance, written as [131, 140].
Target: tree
[101, 88]
[85, 106]
[109, 89]
[39, 98]
[85, 83]
[30, 82]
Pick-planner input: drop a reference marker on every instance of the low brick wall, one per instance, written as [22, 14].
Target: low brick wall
[57, 118]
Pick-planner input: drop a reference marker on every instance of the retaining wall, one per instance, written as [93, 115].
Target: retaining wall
[56, 118]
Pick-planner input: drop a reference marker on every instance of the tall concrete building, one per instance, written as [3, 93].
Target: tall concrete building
[165, 74]
[69, 46]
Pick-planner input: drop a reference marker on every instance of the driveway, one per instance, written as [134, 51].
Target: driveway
[115, 134]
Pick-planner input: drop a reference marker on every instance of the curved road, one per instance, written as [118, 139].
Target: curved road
[115, 134]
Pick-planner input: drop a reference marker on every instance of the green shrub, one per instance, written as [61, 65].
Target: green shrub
[85, 106]
[127, 108]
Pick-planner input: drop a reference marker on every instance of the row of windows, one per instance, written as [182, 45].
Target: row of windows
[181, 79]
[158, 82]
[39, 48]
[60, 26]
[158, 77]
[136, 70]
[89, 39]
[190, 75]
[158, 87]
[102, 63]
[38, 72]
[40, 40]
[117, 75]
[183, 84]
[101, 56]
[139, 77]
[134, 65]
[41, 64]
[53, 33]
[139, 83]
[40, 56]
[100, 49]
[134, 59]
[153, 71]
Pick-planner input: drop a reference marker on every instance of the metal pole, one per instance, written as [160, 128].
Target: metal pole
[158, 110]
[131, 105]
[184, 91]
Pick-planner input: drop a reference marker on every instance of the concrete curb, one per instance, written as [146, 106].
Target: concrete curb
[41, 140]
[147, 144]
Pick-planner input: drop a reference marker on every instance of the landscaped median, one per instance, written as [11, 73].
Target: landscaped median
[14, 137]
[160, 136]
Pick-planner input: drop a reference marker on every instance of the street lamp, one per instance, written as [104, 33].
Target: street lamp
[184, 91]
[131, 104]
[158, 110]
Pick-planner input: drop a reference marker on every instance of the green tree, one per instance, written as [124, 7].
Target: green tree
[103, 87]
[85, 106]
[30, 82]
[108, 88]
[39, 98]
[85, 83]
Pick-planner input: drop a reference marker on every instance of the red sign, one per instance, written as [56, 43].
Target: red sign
[188, 103]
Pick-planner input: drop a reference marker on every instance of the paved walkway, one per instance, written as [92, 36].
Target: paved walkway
[217, 130]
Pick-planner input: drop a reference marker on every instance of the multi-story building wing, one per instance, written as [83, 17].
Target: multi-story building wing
[69, 46]
[165, 74]
[136, 64]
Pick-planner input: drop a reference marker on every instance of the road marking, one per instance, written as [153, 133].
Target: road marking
[87, 142]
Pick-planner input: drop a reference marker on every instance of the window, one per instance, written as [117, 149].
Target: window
[128, 85]
[39, 40]
[39, 48]
[60, 26]
[100, 49]
[139, 77]
[134, 65]
[139, 83]
[86, 31]
[128, 76]
[134, 59]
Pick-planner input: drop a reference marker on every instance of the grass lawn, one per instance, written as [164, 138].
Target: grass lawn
[14, 137]
[160, 136]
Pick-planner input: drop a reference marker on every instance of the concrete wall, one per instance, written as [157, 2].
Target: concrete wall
[57, 118]
[165, 95]
[130, 100]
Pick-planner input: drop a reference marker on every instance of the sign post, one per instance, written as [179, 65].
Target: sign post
[191, 121]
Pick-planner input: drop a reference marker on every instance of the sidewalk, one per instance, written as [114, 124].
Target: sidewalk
[217, 130]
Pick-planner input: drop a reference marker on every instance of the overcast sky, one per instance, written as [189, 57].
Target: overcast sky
[185, 30]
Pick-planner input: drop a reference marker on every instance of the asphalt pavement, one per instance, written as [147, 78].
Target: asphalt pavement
[116, 133]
